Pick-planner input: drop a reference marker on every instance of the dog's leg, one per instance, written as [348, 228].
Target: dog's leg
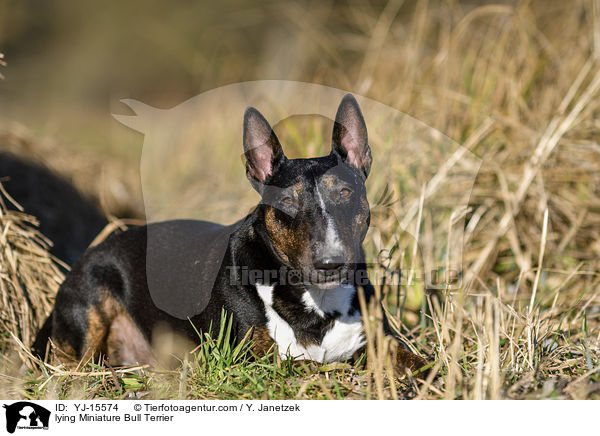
[80, 324]
[125, 343]
[83, 329]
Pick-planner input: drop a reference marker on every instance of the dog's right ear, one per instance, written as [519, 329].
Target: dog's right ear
[349, 137]
[261, 148]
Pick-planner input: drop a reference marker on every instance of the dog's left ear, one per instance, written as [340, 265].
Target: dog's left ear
[349, 139]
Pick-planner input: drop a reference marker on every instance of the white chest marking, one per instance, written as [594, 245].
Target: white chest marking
[340, 342]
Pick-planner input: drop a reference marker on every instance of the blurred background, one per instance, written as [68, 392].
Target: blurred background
[69, 64]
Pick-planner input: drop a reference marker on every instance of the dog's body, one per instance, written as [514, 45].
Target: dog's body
[288, 273]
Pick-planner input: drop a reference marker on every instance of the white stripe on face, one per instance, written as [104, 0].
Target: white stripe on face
[332, 239]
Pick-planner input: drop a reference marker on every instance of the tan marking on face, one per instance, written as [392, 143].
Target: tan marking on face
[291, 243]
[298, 189]
[364, 204]
[360, 219]
[360, 222]
[329, 181]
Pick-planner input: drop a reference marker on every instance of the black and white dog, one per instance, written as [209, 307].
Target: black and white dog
[287, 273]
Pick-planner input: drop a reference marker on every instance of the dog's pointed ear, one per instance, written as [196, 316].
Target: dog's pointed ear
[349, 139]
[261, 147]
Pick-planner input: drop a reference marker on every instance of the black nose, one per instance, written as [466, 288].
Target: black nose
[329, 263]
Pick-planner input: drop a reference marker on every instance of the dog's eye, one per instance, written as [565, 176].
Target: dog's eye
[287, 200]
[344, 192]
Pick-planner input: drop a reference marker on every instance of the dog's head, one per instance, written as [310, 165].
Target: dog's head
[316, 212]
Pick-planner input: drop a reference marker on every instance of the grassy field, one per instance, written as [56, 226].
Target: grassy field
[516, 84]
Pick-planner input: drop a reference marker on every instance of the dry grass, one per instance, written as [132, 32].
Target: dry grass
[526, 321]
[29, 276]
[517, 84]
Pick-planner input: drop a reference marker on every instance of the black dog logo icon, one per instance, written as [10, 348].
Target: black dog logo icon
[26, 415]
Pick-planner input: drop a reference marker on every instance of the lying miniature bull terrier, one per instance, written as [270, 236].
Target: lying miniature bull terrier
[288, 273]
